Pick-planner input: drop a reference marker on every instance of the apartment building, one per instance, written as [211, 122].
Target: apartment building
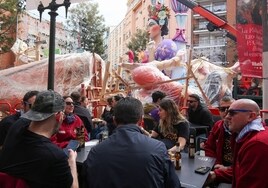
[215, 45]
[32, 31]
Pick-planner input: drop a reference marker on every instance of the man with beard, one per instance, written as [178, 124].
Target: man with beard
[198, 114]
[29, 154]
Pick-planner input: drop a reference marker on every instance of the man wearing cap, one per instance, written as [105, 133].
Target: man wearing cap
[28, 152]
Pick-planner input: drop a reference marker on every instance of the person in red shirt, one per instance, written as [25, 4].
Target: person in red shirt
[68, 128]
[218, 144]
[251, 145]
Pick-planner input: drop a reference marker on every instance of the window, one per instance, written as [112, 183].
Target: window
[220, 6]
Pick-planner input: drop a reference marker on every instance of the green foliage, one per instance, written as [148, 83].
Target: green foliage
[138, 42]
[85, 23]
[9, 10]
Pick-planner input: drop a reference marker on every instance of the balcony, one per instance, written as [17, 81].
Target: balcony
[206, 43]
[216, 55]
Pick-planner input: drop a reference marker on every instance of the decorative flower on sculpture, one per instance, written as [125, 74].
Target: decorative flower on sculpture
[159, 12]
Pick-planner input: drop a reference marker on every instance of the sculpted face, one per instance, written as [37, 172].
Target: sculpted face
[154, 29]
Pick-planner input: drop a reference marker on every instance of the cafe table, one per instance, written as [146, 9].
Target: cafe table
[83, 153]
[187, 175]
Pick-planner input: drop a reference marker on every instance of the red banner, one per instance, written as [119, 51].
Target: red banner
[250, 38]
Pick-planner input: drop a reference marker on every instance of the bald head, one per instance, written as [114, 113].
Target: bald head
[241, 113]
[248, 104]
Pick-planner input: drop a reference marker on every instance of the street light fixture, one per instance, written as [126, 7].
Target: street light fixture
[53, 7]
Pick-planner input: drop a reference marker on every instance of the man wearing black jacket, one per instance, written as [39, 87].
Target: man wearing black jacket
[128, 158]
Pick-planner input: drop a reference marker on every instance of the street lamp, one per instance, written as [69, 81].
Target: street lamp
[53, 7]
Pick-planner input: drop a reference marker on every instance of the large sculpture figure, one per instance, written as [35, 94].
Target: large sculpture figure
[213, 80]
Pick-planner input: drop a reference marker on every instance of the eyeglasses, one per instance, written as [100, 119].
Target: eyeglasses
[233, 112]
[191, 101]
[69, 103]
[223, 108]
[26, 103]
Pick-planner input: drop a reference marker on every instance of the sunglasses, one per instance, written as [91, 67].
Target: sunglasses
[223, 108]
[191, 101]
[233, 112]
[26, 103]
[69, 103]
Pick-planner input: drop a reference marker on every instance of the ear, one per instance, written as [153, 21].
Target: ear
[253, 115]
[141, 122]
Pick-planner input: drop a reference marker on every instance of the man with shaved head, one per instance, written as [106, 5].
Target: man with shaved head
[251, 144]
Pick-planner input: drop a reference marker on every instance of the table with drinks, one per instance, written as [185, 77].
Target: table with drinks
[187, 175]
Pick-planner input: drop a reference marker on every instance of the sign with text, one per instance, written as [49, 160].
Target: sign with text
[250, 40]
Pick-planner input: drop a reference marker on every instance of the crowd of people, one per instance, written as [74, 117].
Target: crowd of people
[34, 138]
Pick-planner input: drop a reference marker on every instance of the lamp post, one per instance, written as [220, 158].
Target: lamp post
[53, 7]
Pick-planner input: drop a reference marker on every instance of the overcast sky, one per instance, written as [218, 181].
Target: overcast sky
[113, 11]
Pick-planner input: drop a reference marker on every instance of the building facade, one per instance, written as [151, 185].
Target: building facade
[35, 34]
[215, 45]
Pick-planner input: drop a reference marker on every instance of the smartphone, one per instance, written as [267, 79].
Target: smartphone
[202, 170]
[73, 144]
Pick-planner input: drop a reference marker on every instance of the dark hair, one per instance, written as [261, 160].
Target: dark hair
[29, 95]
[117, 97]
[227, 98]
[66, 96]
[158, 95]
[83, 98]
[76, 96]
[173, 116]
[110, 100]
[164, 28]
[128, 110]
[196, 97]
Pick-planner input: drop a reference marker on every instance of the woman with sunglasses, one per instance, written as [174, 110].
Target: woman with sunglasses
[173, 127]
[70, 125]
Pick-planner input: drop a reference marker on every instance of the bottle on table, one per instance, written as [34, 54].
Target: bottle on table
[191, 151]
[80, 136]
[178, 157]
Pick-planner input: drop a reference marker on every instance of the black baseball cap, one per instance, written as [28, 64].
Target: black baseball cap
[46, 104]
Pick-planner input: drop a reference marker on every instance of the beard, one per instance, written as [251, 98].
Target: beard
[56, 127]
